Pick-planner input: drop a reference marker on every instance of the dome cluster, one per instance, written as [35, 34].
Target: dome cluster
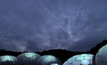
[30, 58]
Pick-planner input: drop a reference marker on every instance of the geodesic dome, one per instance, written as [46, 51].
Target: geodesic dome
[54, 64]
[48, 60]
[28, 58]
[8, 60]
[101, 56]
[82, 59]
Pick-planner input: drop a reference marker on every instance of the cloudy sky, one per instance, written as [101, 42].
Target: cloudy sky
[35, 25]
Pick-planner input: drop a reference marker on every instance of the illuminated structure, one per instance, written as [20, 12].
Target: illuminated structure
[48, 60]
[28, 58]
[8, 60]
[101, 56]
[83, 59]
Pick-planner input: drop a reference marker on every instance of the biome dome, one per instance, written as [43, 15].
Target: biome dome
[28, 58]
[48, 60]
[8, 60]
[54, 64]
[101, 56]
[82, 59]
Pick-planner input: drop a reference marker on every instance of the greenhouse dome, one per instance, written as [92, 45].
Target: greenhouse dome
[48, 60]
[28, 58]
[8, 60]
[101, 56]
[82, 59]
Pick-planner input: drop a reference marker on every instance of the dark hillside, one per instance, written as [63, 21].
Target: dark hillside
[97, 47]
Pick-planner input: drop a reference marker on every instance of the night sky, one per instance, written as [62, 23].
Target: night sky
[36, 25]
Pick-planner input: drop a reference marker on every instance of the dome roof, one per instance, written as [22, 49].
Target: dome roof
[101, 56]
[28, 58]
[8, 60]
[82, 59]
[48, 60]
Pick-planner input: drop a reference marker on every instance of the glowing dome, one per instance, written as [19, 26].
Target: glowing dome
[28, 58]
[48, 60]
[54, 64]
[83, 59]
[8, 60]
[101, 56]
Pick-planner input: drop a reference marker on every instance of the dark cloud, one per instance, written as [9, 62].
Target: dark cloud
[34, 25]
